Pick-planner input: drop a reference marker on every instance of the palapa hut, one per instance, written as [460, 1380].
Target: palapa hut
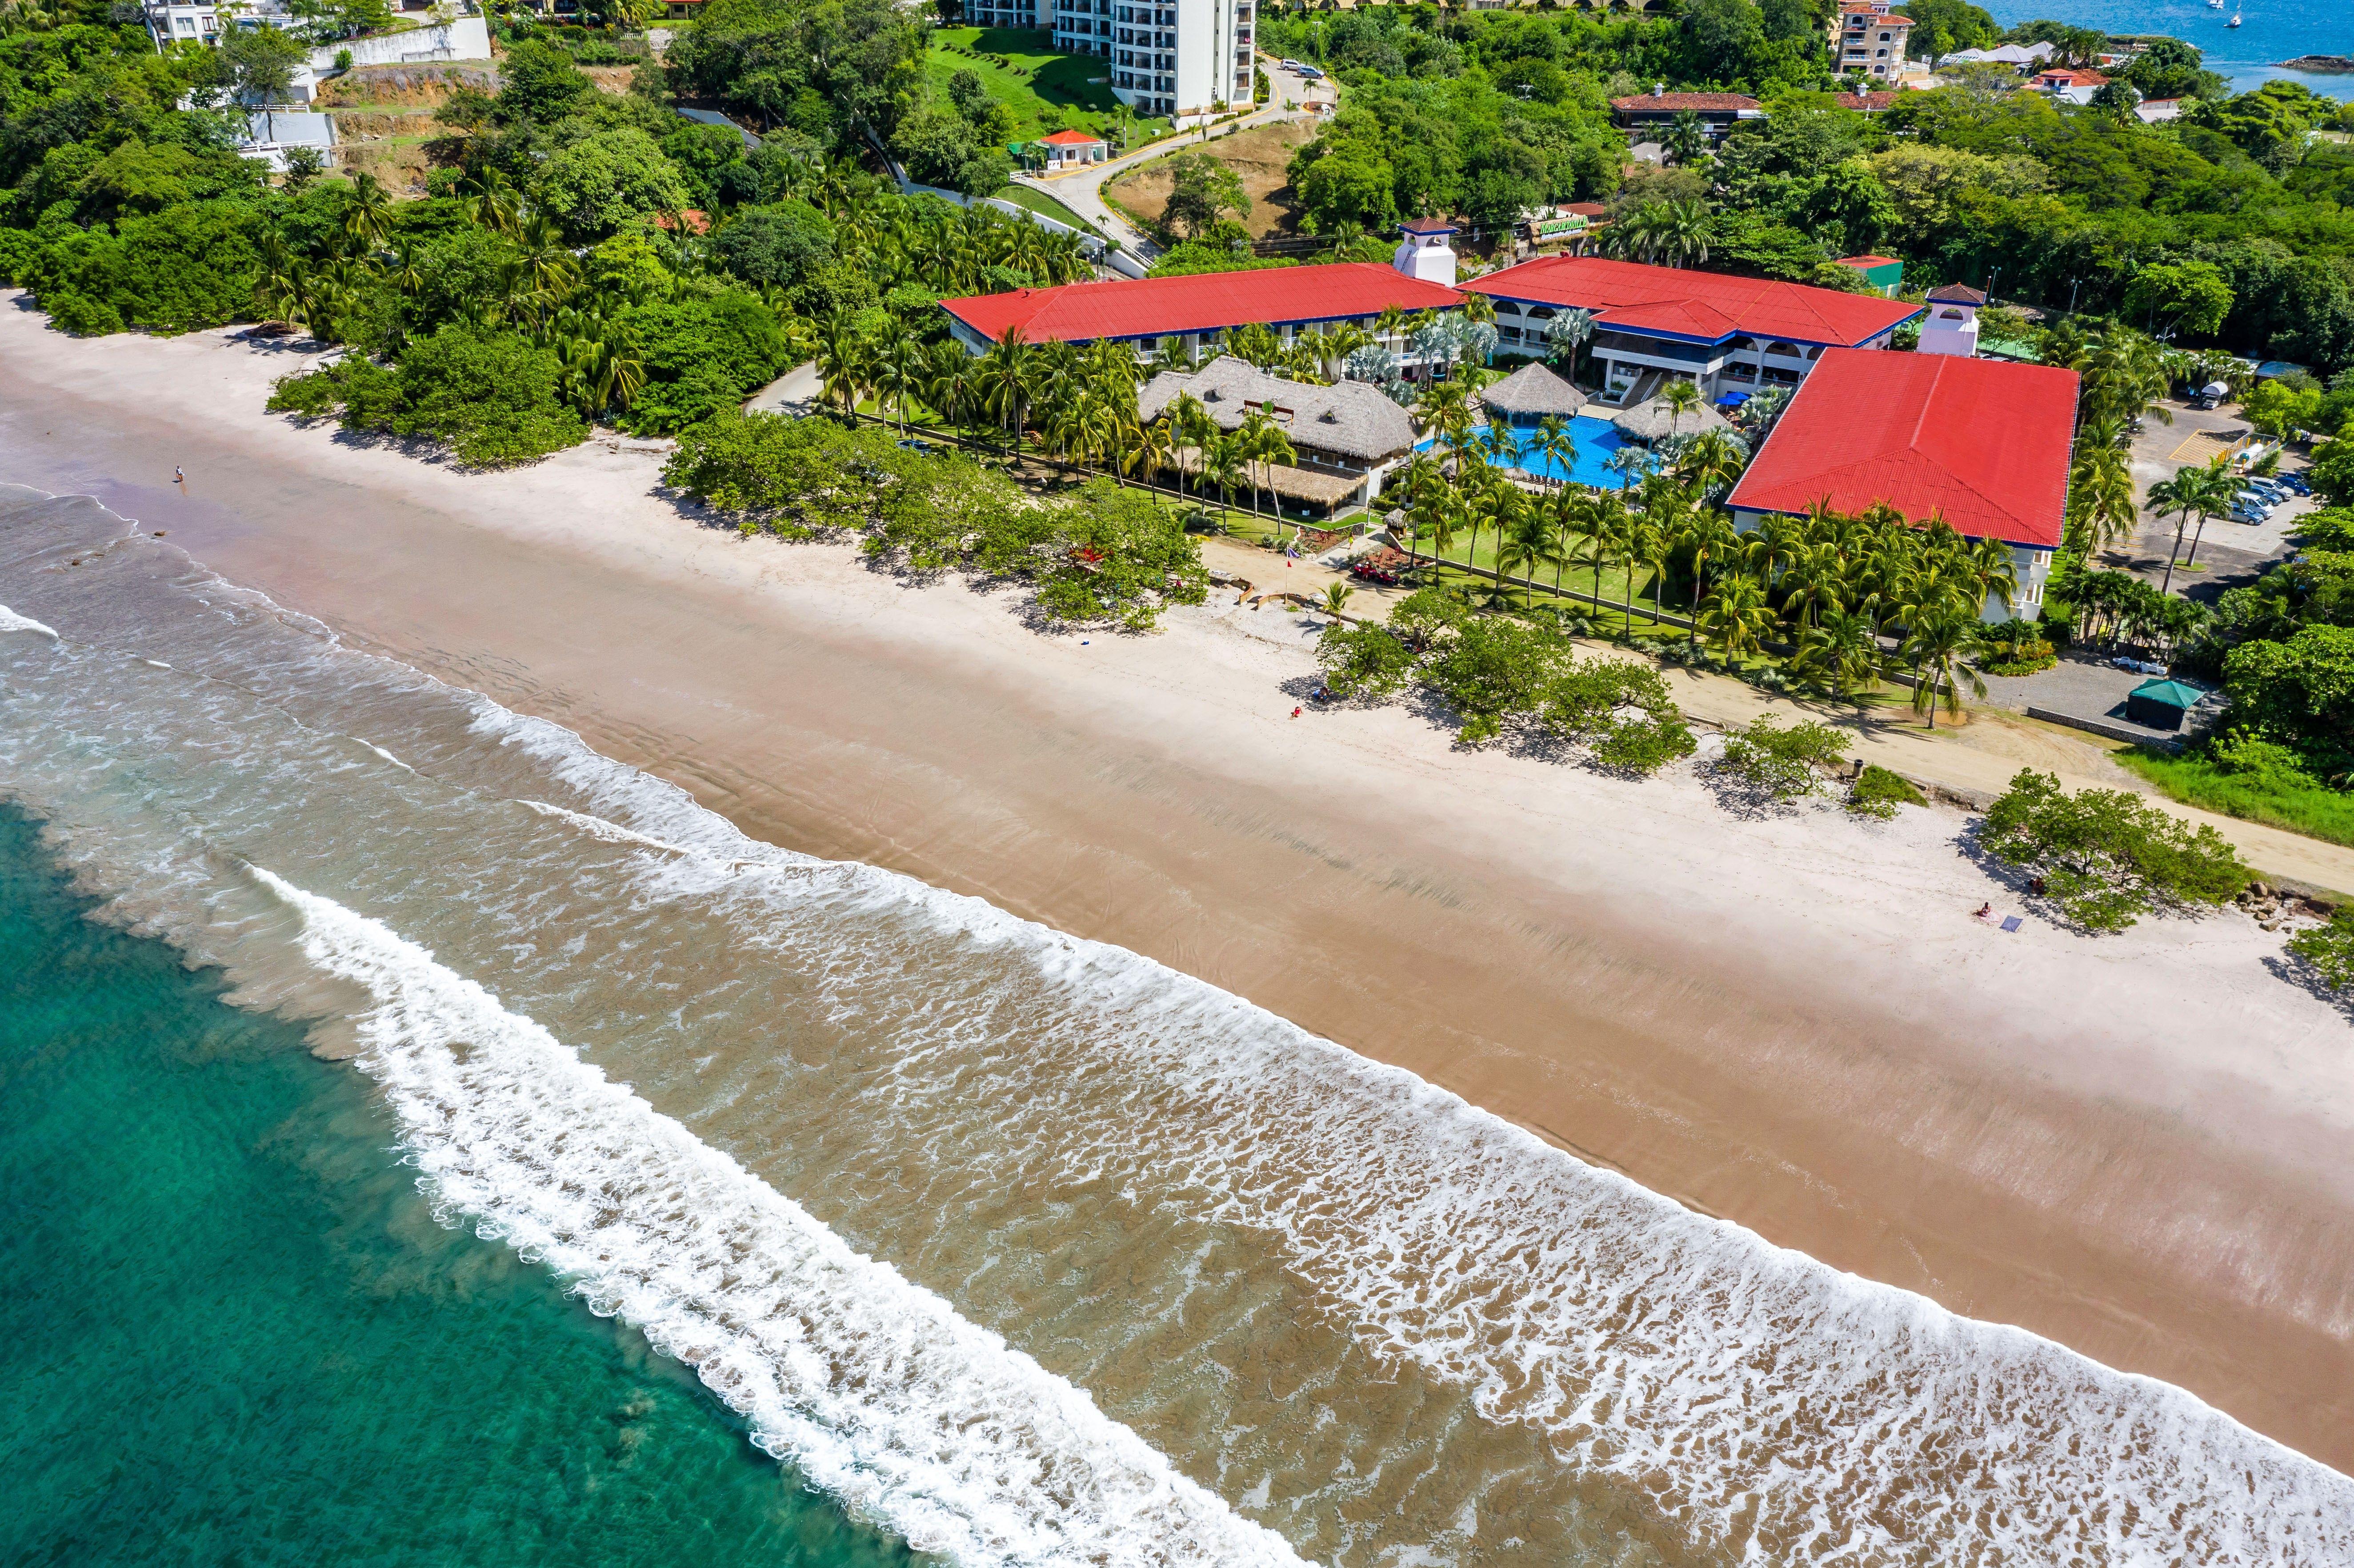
[1655, 421]
[1528, 395]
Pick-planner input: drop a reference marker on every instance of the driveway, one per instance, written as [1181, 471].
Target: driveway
[1081, 189]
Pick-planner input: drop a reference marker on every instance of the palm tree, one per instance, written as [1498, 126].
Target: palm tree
[367, 212]
[1223, 462]
[1681, 395]
[1422, 489]
[1524, 544]
[842, 361]
[1004, 376]
[1554, 442]
[1261, 442]
[1567, 332]
[1841, 651]
[1736, 615]
[1711, 460]
[899, 368]
[2217, 488]
[1936, 649]
[495, 204]
[1707, 533]
[1650, 544]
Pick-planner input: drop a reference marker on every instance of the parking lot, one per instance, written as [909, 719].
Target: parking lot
[2230, 553]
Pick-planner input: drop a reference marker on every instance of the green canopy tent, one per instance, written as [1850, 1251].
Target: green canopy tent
[2161, 705]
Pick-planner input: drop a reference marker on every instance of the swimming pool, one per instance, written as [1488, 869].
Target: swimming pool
[1598, 442]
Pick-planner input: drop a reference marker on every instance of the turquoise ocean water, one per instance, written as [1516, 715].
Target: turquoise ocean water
[2270, 31]
[234, 1333]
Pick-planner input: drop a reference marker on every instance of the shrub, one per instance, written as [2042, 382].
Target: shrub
[2330, 949]
[1877, 793]
[1495, 671]
[1785, 764]
[2106, 857]
[1623, 712]
[1365, 661]
[490, 398]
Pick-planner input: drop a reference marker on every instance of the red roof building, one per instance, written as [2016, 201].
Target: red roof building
[1657, 109]
[1730, 334]
[1981, 443]
[1142, 310]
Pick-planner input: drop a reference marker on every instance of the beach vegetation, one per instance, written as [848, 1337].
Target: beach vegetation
[1509, 677]
[491, 399]
[2104, 858]
[1778, 763]
[2328, 950]
[1877, 792]
[1096, 553]
[2238, 774]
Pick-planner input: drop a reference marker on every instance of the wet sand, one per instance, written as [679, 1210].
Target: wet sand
[2137, 1146]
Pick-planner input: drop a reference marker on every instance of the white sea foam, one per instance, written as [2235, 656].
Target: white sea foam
[1775, 1407]
[872, 1387]
[11, 621]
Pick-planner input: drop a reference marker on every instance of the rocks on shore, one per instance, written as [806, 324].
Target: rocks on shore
[2320, 64]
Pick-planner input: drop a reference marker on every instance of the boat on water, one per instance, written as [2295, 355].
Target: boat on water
[2234, 21]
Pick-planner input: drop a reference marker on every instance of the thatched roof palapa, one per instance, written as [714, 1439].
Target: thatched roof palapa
[1533, 392]
[1655, 421]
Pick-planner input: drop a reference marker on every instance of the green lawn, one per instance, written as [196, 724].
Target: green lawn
[1039, 202]
[1046, 90]
[2317, 811]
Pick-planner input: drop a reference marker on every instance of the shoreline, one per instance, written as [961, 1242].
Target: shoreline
[1789, 1024]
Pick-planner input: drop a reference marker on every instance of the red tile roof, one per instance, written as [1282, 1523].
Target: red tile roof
[1981, 443]
[2072, 78]
[1154, 307]
[1674, 102]
[1703, 306]
[1070, 138]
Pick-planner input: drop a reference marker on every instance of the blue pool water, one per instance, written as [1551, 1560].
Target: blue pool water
[1598, 441]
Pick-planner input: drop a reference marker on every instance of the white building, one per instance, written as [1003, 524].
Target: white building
[1424, 252]
[1952, 324]
[417, 37]
[1187, 60]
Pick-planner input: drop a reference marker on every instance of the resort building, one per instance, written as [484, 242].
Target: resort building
[1652, 112]
[1729, 334]
[1345, 438]
[1195, 309]
[1185, 60]
[1424, 252]
[1871, 39]
[1979, 443]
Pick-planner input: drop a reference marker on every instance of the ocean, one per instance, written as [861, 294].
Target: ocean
[2270, 31]
[643, 1186]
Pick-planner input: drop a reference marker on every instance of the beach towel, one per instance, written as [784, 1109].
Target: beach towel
[2011, 922]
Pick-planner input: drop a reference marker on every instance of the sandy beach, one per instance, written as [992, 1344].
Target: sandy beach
[2137, 1145]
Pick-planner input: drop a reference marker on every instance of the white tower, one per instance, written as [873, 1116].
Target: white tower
[1423, 251]
[1952, 323]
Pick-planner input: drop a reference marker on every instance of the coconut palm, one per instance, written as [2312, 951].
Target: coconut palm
[1002, 377]
[1681, 395]
[1262, 443]
[1736, 616]
[842, 361]
[1711, 460]
[1336, 598]
[1524, 544]
[899, 369]
[1937, 648]
[1840, 651]
[367, 212]
[1554, 442]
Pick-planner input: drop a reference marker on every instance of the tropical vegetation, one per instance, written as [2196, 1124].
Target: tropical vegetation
[2104, 858]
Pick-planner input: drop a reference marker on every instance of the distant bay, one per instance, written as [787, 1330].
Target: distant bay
[2271, 31]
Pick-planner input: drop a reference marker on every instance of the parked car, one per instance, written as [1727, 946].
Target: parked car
[1310, 73]
[2297, 483]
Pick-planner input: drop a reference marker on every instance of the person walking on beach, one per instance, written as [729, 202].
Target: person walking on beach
[178, 478]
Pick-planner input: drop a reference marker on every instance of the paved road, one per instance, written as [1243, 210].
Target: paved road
[1081, 190]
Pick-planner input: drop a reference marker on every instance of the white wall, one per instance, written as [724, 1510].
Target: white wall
[464, 39]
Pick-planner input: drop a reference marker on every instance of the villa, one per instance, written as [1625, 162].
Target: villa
[1656, 110]
[1729, 334]
[1195, 309]
[1980, 443]
[1346, 438]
